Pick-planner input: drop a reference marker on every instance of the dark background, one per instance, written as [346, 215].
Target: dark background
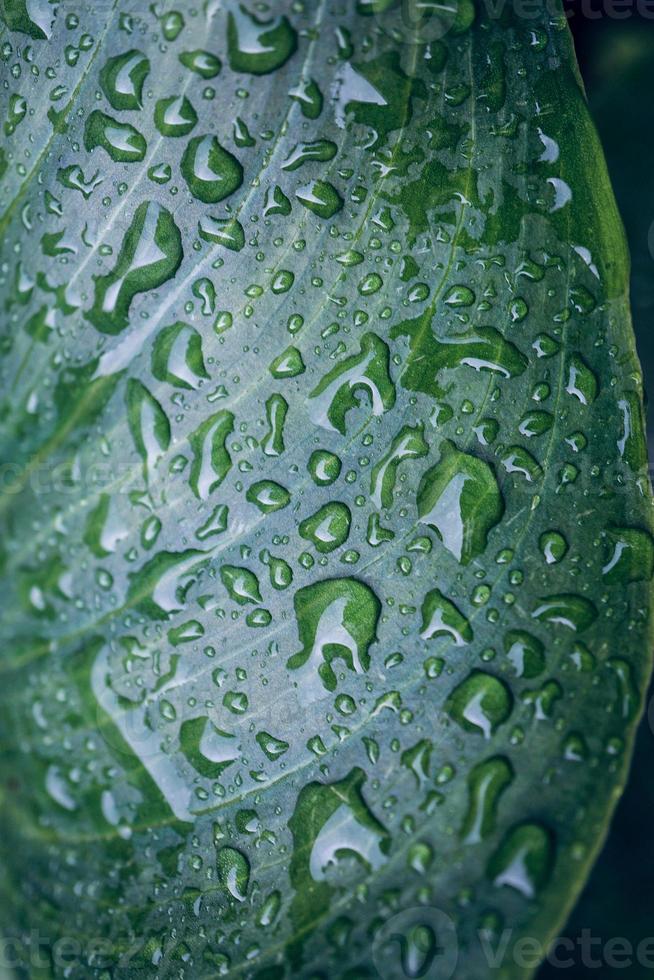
[617, 62]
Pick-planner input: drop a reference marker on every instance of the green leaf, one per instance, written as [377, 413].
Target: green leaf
[622, 117]
[326, 524]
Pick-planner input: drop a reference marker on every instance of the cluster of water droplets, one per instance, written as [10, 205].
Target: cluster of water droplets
[322, 514]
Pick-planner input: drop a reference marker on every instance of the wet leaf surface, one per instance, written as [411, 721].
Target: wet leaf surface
[326, 544]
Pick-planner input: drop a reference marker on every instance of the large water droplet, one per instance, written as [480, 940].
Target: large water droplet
[480, 703]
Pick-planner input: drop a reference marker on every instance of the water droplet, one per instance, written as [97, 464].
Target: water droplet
[328, 528]
[276, 411]
[148, 424]
[150, 254]
[241, 584]
[288, 364]
[630, 555]
[581, 382]
[211, 172]
[211, 459]
[525, 652]
[268, 496]
[320, 151]
[122, 78]
[337, 393]
[233, 872]
[480, 703]
[524, 859]
[320, 197]
[258, 47]
[227, 232]
[486, 783]
[309, 96]
[409, 443]
[174, 116]
[203, 63]
[573, 611]
[122, 141]
[272, 747]
[324, 467]
[337, 620]
[460, 499]
[177, 356]
[553, 546]
[440, 617]
[458, 296]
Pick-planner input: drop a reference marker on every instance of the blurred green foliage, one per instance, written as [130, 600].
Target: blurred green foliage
[617, 61]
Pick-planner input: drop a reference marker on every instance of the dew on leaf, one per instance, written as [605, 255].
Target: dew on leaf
[525, 652]
[324, 467]
[233, 872]
[122, 79]
[328, 528]
[276, 412]
[227, 232]
[573, 611]
[203, 63]
[480, 703]
[339, 390]
[553, 546]
[268, 496]
[122, 141]
[258, 47]
[241, 584]
[524, 860]
[174, 116]
[288, 364]
[150, 254]
[211, 172]
[177, 356]
[441, 617]
[211, 458]
[486, 784]
[461, 500]
[320, 197]
[630, 555]
[337, 620]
